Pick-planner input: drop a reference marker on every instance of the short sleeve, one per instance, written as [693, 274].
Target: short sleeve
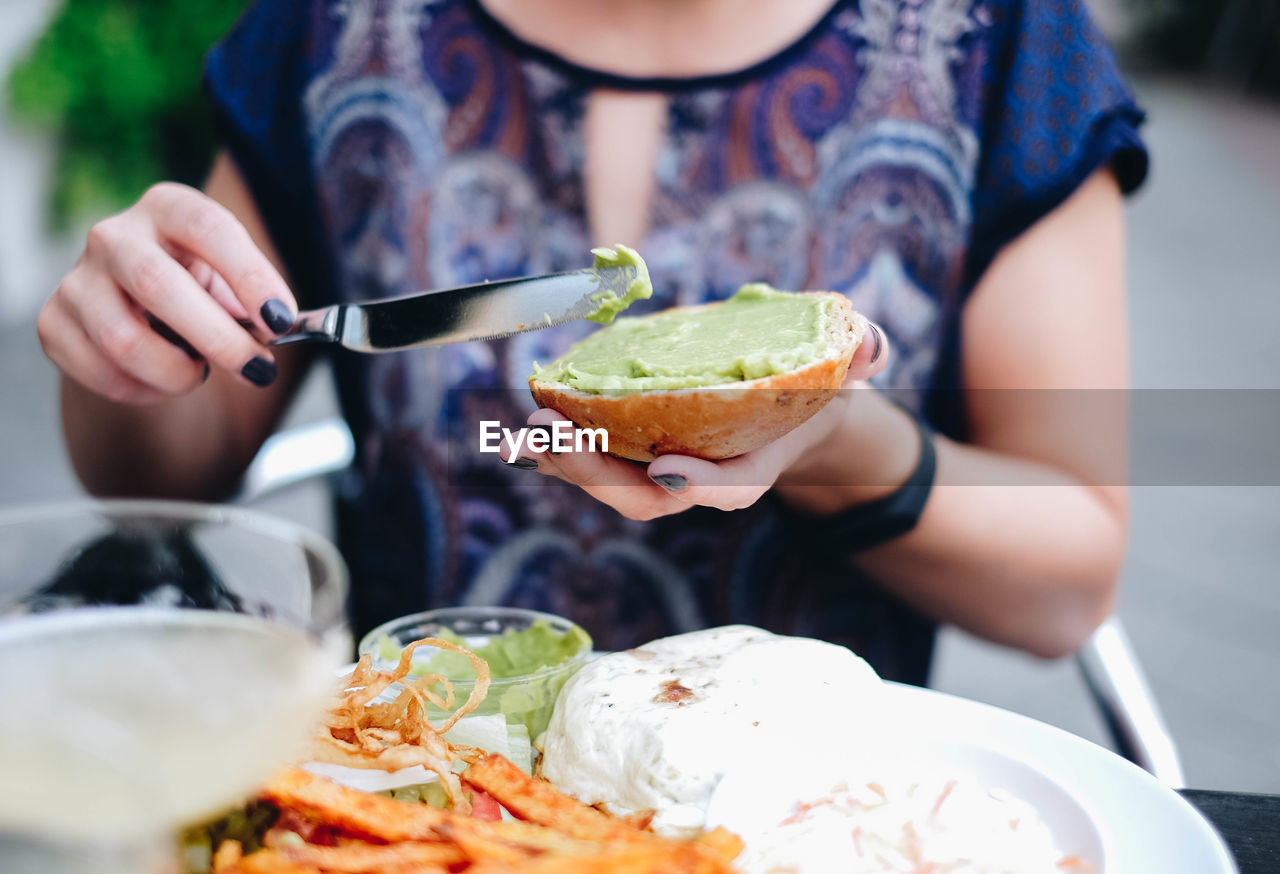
[1055, 109]
[255, 79]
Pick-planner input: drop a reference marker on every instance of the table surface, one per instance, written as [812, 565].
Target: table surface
[1250, 824]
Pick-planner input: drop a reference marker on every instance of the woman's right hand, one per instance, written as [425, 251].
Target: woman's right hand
[182, 259]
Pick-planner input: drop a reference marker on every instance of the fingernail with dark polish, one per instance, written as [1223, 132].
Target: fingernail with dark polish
[259, 371]
[878, 342]
[672, 482]
[205, 376]
[550, 436]
[525, 464]
[277, 316]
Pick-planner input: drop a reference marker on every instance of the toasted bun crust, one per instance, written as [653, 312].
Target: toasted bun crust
[719, 421]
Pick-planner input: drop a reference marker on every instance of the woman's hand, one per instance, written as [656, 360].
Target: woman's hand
[154, 301]
[673, 483]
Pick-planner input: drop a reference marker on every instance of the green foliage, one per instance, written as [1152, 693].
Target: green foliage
[120, 82]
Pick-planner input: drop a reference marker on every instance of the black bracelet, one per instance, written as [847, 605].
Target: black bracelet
[883, 519]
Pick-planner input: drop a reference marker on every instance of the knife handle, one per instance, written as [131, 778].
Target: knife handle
[320, 326]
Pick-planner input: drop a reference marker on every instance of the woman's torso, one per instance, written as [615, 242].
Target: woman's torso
[446, 153]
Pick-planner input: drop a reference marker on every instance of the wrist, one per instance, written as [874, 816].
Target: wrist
[870, 450]
[855, 527]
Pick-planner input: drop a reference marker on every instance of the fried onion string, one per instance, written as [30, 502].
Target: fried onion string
[361, 731]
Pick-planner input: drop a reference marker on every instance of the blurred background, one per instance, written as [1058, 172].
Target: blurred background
[100, 98]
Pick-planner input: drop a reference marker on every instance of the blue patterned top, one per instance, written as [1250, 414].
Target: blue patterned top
[889, 153]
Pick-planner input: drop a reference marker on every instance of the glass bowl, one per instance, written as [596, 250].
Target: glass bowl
[525, 698]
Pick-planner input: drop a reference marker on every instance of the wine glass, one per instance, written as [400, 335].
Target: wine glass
[157, 661]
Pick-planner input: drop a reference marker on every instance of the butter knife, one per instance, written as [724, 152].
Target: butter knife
[485, 311]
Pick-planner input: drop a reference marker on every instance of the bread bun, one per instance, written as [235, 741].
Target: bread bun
[719, 421]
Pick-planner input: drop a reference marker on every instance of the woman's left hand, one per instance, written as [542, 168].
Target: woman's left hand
[673, 483]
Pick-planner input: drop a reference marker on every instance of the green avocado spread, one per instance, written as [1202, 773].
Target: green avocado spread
[758, 332]
[633, 285]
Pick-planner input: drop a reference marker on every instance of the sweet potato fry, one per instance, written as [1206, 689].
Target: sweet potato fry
[642, 819]
[227, 854]
[383, 819]
[356, 858]
[269, 862]
[355, 812]
[538, 801]
[483, 840]
[481, 850]
[658, 857]
[721, 843]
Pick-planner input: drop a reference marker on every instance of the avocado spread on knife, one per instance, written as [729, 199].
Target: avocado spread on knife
[608, 301]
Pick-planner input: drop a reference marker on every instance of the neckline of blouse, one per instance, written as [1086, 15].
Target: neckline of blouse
[593, 77]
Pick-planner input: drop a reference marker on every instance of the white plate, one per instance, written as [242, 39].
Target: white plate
[1095, 803]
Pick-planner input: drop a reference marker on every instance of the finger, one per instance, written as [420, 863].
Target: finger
[621, 484]
[125, 339]
[211, 281]
[211, 232]
[732, 484]
[523, 457]
[67, 345]
[871, 355]
[606, 479]
[586, 468]
[165, 289]
[537, 440]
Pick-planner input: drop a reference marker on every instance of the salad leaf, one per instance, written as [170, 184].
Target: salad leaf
[492, 734]
[420, 793]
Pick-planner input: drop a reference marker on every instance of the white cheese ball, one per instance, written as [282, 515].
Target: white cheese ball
[657, 727]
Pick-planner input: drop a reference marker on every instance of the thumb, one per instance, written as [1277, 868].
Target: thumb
[726, 485]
